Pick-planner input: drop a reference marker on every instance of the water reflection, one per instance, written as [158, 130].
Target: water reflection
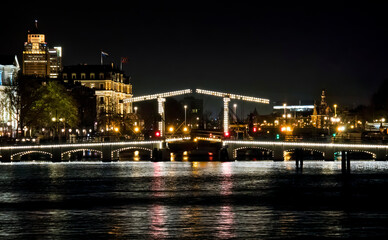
[191, 200]
[157, 184]
[158, 219]
[226, 225]
[226, 182]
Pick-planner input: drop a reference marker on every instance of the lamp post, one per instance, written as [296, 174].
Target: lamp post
[185, 113]
[135, 108]
[235, 112]
[335, 110]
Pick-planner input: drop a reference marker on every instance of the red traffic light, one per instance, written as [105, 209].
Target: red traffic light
[157, 134]
[254, 129]
[226, 134]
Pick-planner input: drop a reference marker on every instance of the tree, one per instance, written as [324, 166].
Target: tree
[50, 101]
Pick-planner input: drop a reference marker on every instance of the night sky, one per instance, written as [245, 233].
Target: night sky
[281, 52]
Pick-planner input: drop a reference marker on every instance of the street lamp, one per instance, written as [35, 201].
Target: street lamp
[185, 113]
[335, 110]
[235, 111]
[135, 108]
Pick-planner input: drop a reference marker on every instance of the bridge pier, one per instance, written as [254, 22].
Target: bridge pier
[224, 154]
[381, 154]
[329, 154]
[57, 154]
[159, 155]
[299, 159]
[106, 153]
[6, 156]
[345, 162]
[278, 154]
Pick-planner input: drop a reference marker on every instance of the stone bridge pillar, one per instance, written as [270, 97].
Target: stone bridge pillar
[381, 154]
[107, 153]
[57, 154]
[278, 153]
[227, 150]
[6, 156]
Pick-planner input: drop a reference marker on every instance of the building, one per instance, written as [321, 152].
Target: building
[293, 115]
[38, 59]
[194, 112]
[320, 117]
[55, 61]
[110, 84]
[9, 69]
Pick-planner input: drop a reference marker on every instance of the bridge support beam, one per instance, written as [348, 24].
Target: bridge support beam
[226, 114]
[161, 123]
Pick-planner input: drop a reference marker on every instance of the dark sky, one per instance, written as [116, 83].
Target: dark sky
[281, 52]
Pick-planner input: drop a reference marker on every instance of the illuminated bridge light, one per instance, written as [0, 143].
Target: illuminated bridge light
[157, 95]
[209, 139]
[82, 145]
[233, 96]
[301, 144]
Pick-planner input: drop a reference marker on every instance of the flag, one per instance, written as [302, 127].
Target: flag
[124, 60]
[104, 54]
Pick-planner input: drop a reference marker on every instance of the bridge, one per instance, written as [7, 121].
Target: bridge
[110, 151]
[278, 149]
[158, 149]
[161, 98]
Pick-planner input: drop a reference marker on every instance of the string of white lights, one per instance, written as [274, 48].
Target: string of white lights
[157, 95]
[233, 96]
[301, 144]
[82, 145]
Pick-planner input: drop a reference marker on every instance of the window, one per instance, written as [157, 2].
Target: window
[92, 76]
[101, 86]
[73, 76]
[83, 75]
[64, 76]
[101, 75]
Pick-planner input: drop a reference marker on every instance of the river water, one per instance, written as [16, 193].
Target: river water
[193, 200]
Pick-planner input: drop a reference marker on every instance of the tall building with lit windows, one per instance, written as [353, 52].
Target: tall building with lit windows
[38, 59]
[110, 84]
